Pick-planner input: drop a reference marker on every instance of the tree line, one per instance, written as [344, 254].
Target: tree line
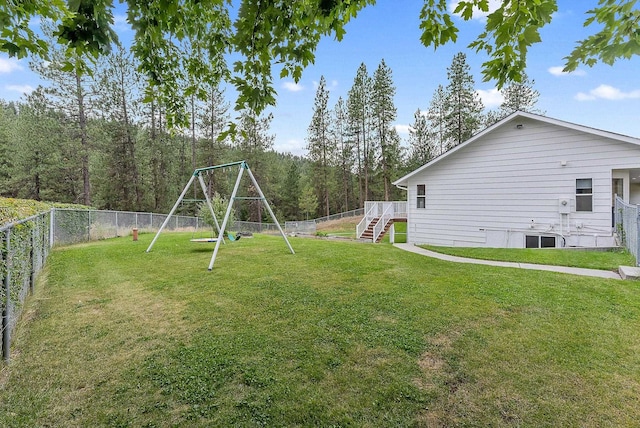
[102, 139]
[355, 151]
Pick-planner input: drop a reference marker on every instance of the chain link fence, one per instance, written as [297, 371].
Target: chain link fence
[346, 214]
[72, 226]
[309, 226]
[24, 248]
[627, 226]
[25, 245]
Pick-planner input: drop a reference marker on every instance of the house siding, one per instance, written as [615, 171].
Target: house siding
[507, 184]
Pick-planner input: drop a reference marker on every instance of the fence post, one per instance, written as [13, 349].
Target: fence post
[6, 312]
[637, 235]
[32, 257]
[52, 227]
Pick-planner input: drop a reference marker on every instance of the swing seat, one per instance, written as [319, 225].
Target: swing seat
[204, 240]
[233, 238]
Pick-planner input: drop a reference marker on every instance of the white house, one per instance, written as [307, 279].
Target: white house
[526, 181]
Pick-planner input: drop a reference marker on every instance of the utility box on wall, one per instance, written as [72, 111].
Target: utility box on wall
[564, 205]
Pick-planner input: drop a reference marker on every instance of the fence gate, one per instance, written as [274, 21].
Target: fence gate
[627, 226]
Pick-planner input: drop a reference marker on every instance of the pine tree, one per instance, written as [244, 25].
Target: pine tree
[463, 104]
[421, 141]
[437, 122]
[69, 93]
[517, 96]
[344, 154]
[8, 117]
[520, 96]
[359, 114]
[117, 89]
[384, 113]
[291, 192]
[254, 141]
[308, 201]
[321, 147]
[211, 121]
[36, 155]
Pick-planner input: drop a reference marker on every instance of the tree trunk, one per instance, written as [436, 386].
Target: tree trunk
[84, 143]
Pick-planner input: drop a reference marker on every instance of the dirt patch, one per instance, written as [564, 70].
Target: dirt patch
[338, 225]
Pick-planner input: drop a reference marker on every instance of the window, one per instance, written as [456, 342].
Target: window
[584, 194]
[535, 241]
[421, 202]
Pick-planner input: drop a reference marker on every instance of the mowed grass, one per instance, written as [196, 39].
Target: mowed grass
[339, 334]
[590, 259]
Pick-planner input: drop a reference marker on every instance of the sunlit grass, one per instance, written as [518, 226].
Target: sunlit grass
[339, 334]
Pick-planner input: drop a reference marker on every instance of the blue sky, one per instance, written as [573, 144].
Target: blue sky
[603, 97]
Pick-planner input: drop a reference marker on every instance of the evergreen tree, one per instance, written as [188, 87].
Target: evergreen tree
[308, 201]
[212, 148]
[320, 145]
[290, 192]
[39, 152]
[8, 117]
[422, 149]
[117, 89]
[155, 140]
[437, 121]
[520, 96]
[344, 155]
[392, 154]
[70, 93]
[384, 114]
[517, 96]
[359, 114]
[463, 104]
[254, 141]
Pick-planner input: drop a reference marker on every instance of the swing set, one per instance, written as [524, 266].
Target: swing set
[197, 174]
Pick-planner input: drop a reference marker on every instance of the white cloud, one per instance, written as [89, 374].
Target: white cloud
[607, 92]
[402, 129]
[558, 71]
[581, 96]
[23, 89]
[293, 146]
[8, 65]
[292, 86]
[491, 98]
[493, 5]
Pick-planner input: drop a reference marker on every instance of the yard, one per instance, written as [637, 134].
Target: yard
[339, 334]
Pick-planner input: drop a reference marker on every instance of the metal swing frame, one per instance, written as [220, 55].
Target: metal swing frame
[243, 166]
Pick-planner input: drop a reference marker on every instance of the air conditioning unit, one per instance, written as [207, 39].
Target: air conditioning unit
[564, 205]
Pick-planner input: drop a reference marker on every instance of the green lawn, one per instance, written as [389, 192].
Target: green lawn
[604, 260]
[339, 334]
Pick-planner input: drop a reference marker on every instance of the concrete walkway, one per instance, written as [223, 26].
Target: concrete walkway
[562, 269]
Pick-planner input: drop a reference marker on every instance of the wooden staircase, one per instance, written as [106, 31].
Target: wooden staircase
[388, 212]
[368, 233]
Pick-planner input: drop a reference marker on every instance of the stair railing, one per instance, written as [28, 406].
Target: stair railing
[386, 216]
[366, 220]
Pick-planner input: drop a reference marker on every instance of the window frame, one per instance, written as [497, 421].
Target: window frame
[584, 195]
[421, 198]
[539, 241]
